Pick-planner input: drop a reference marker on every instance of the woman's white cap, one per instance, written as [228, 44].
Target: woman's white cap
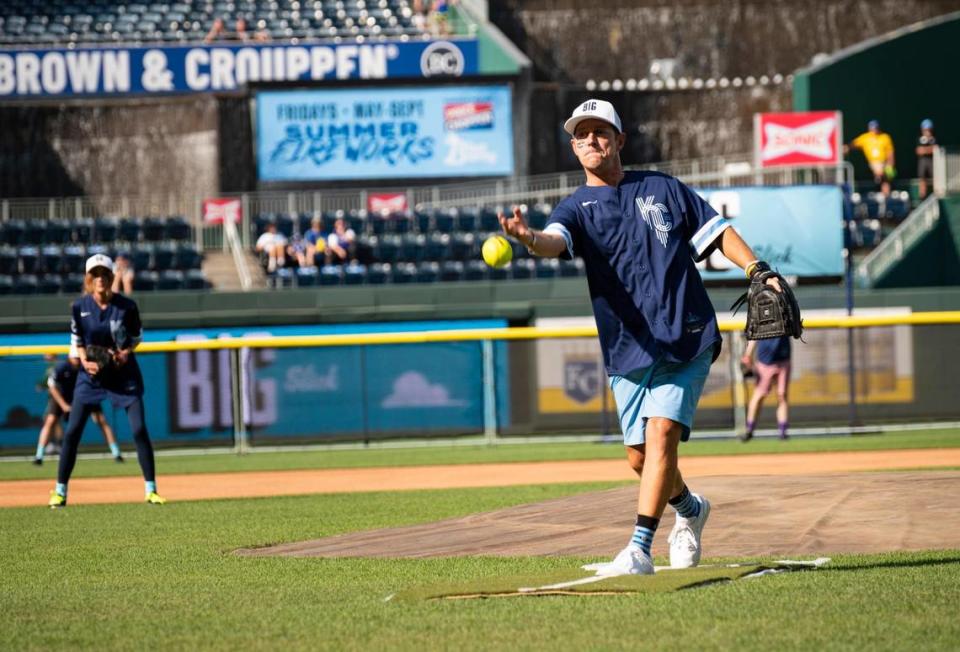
[599, 109]
[99, 260]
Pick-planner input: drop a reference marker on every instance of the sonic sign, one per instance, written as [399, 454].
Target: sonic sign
[789, 139]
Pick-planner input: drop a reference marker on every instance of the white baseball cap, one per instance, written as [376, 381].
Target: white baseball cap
[99, 260]
[599, 109]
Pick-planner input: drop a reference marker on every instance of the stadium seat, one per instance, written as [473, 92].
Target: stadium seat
[475, 270]
[424, 221]
[9, 262]
[259, 224]
[193, 279]
[176, 227]
[50, 284]
[412, 247]
[105, 229]
[188, 257]
[437, 247]
[357, 220]
[142, 256]
[498, 273]
[451, 271]
[428, 271]
[73, 283]
[331, 275]
[26, 284]
[488, 220]
[285, 224]
[402, 222]
[170, 279]
[51, 258]
[523, 269]
[307, 277]
[82, 229]
[145, 280]
[6, 284]
[380, 224]
[538, 215]
[463, 246]
[164, 256]
[129, 229]
[571, 268]
[12, 232]
[468, 219]
[57, 232]
[354, 274]
[897, 208]
[34, 232]
[29, 259]
[403, 273]
[445, 220]
[378, 273]
[153, 229]
[872, 206]
[547, 267]
[284, 277]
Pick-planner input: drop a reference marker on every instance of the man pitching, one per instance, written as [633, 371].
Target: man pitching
[639, 234]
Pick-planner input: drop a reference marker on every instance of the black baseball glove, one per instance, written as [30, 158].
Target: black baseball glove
[102, 356]
[769, 313]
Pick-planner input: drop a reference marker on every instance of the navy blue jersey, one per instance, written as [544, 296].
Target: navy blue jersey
[115, 327]
[640, 241]
[773, 350]
[64, 377]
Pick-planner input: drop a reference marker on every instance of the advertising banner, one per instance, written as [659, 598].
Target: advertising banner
[387, 202]
[797, 229]
[384, 133]
[118, 71]
[215, 211]
[810, 138]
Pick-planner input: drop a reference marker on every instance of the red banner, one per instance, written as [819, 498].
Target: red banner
[812, 138]
[215, 211]
[385, 203]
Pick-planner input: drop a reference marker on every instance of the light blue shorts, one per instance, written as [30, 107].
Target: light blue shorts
[664, 389]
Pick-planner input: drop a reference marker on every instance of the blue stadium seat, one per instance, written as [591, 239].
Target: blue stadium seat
[475, 270]
[468, 219]
[259, 224]
[403, 273]
[537, 216]
[547, 267]
[73, 283]
[424, 221]
[285, 224]
[412, 247]
[193, 279]
[9, 262]
[284, 277]
[57, 232]
[303, 222]
[357, 220]
[331, 275]
[451, 271]
[872, 207]
[523, 269]
[402, 222]
[105, 229]
[499, 273]
[12, 231]
[164, 256]
[6, 284]
[437, 247]
[50, 284]
[897, 208]
[29, 259]
[35, 232]
[170, 279]
[354, 274]
[145, 280]
[307, 277]
[488, 219]
[176, 227]
[463, 246]
[129, 229]
[142, 256]
[51, 258]
[82, 229]
[153, 229]
[26, 284]
[380, 224]
[571, 268]
[378, 273]
[188, 256]
[428, 271]
[94, 249]
[445, 220]
[386, 249]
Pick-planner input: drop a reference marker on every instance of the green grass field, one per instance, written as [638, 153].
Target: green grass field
[138, 577]
[380, 457]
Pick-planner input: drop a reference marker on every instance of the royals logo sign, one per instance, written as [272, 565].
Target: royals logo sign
[812, 138]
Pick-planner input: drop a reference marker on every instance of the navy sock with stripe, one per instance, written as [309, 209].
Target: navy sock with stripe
[686, 504]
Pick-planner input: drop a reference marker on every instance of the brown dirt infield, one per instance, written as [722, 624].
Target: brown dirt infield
[19, 493]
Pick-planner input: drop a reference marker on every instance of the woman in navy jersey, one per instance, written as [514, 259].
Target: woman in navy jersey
[101, 318]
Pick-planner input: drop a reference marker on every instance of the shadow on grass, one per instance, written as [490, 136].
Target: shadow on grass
[891, 563]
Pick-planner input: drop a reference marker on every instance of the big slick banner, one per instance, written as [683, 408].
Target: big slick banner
[811, 138]
[384, 133]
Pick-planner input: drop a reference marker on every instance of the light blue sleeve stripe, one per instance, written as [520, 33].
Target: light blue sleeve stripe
[709, 232]
[556, 227]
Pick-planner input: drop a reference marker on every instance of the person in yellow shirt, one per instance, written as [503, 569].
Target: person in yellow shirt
[877, 147]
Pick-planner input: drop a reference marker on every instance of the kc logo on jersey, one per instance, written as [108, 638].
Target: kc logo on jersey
[656, 217]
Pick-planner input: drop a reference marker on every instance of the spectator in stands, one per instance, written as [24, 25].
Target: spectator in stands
[877, 147]
[241, 30]
[926, 143]
[297, 250]
[272, 247]
[341, 244]
[316, 241]
[217, 32]
[419, 18]
[123, 274]
[61, 380]
[262, 35]
[439, 17]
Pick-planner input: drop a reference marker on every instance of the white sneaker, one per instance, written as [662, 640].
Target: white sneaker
[629, 561]
[685, 537]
